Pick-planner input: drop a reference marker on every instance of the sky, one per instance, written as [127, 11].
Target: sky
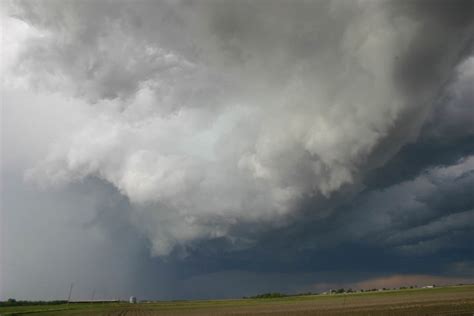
[215, 149]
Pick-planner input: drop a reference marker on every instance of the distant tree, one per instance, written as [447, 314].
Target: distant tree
[270, 295]
[14, 302]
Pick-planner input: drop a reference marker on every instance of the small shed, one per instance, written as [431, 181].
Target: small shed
[132, 300]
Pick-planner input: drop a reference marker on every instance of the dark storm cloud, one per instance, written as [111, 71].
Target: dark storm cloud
[415, 157]
[439, 26]
[446, 136]
[415, 216]
[422, 226]
[278, 143]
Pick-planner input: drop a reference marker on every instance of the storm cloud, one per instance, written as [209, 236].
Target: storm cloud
[210, 139]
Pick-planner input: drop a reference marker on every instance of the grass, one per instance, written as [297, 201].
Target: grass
[456, 300]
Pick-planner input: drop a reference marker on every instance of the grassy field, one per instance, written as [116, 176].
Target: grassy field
[457, 300]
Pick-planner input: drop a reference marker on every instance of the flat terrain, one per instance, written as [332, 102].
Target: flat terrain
[456, 300]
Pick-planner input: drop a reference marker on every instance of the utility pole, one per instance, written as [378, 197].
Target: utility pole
[70, 293]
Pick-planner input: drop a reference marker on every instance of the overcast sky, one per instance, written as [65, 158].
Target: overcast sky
[195, 149]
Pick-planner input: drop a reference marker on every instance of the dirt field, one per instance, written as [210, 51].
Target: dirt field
[439, 301]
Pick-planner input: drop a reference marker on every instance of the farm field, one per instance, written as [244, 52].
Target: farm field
[456, 300]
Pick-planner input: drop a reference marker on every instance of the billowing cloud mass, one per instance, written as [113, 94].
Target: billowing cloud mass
[220, 127]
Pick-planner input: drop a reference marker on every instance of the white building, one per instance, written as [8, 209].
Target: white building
[132, 300]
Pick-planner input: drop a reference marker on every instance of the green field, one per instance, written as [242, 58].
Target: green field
[456, 300]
